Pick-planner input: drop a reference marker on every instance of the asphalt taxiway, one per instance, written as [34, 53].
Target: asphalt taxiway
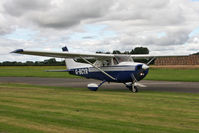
[167, 86]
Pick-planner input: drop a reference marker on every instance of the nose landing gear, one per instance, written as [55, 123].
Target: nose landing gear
[132, 87]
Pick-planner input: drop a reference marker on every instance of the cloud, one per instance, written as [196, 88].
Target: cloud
[18, 8]
[57, 13]
[161, 25]
[89, 37]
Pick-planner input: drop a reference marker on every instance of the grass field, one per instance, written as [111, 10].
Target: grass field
[169, 74]
[28, 108]
[34, 71]
[173, 74]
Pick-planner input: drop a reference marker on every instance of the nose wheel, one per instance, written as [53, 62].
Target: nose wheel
[132, 87]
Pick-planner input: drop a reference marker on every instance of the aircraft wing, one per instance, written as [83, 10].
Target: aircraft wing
[63, 54]
[97, 56]
[146, 56]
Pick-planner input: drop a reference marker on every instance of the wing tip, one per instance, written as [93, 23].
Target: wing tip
[17, 51]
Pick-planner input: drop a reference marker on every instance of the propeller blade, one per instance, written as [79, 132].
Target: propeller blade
[140, 85]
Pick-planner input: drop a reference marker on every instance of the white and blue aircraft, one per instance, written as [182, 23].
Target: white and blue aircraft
[107, 67]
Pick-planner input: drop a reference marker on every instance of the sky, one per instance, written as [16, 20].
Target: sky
[86, 26]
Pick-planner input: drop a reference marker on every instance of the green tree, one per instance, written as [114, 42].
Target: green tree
[140, 50]
[51, 61]
[116, 52]
[132, 51]
[196, 53]
[99, 52]
[29, 63]
[126, 52]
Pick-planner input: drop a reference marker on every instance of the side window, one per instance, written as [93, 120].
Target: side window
[106, 63]
[98, 63]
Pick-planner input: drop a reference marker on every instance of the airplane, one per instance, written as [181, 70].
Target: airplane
[119, 68]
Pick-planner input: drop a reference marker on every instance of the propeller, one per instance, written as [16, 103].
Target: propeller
[133, 85]
[135, 81]
[144, 66]
[141, 72]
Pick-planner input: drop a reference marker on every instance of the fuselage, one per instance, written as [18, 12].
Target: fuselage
[122, 72]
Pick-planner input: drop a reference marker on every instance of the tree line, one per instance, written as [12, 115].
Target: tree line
[49, 62]
[137, 50]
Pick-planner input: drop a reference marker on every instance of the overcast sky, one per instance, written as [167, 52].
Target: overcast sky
[164, 26]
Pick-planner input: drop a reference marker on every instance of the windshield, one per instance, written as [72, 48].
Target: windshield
[113, 61]
[123, 58]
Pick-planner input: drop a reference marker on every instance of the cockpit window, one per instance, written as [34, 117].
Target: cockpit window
[113, 61]
[123, 58]
[106, 63]
[100, 63]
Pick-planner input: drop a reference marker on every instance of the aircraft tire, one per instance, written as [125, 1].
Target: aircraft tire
[134, 89]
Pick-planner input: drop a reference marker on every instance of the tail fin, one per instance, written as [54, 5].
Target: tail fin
[65, 49]
[71, 64]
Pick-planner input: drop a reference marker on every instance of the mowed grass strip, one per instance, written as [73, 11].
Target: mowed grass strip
[167, 74]
[27, 108]
[34, 71]
[173, 74]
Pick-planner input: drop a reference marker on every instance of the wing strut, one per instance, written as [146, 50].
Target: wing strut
[98, 68]
[151, 60]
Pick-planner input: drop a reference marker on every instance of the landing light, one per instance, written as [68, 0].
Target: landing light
[141, 74]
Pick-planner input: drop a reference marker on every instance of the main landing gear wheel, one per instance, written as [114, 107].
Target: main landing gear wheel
[94, 87]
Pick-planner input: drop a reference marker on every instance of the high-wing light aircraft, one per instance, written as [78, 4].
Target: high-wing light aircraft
[107, 67]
